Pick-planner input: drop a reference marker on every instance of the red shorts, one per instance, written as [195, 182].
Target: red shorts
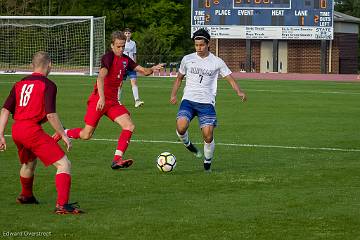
[32, 142]
[112, 110]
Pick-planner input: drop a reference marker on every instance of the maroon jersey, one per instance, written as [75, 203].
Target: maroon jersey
[32, 98]
[117, 67]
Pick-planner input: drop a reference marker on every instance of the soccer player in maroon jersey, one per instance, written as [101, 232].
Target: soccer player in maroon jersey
[104, 98]
[32, 101]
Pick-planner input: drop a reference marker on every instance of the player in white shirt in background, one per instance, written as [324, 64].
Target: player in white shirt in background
[130, 50]
[201, 69]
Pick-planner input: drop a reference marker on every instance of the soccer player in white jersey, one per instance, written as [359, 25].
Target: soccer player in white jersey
[130, 50]
[201, 69]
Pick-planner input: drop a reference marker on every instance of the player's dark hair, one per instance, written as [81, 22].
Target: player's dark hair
[117, 35]
[201, 33]
[127, 30]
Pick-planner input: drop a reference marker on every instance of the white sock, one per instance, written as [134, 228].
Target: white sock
[118, 152]
[184, 138]
[135, 91]
[209, 150]
[119, 94]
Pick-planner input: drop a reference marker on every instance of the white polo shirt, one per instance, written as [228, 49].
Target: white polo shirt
[201, 77]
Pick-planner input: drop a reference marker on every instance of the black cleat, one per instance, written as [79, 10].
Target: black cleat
[26, 200]
[120, 163]
[207, 165]
[69, 208]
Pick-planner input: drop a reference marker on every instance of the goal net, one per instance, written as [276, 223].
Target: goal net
[75, 44]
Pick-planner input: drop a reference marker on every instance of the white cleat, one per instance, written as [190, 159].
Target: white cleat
[139, 103]
[198, 154]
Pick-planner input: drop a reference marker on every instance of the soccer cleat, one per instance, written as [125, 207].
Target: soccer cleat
[194, 150]
[26, 200]
[138, 103]
[198, 154]
[207, 165]
[69, 208]
[118, 163]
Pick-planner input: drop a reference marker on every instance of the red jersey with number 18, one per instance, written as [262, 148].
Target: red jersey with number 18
[32, 98]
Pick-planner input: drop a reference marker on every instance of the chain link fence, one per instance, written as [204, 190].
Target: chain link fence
[171, 63]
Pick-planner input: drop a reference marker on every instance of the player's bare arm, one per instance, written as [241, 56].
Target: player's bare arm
[236, 87]
[54, 121]
[3, 122]
[176, 86]
[100, 86]
[148, 71]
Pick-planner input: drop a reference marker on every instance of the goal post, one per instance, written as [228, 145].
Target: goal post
[74, 43]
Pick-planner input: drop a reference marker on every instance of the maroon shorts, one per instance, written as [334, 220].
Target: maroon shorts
[32, 142]
[112, 110]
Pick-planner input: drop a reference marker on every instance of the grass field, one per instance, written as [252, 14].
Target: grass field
[286, 167]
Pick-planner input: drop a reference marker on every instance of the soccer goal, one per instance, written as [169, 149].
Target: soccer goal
[75, 43]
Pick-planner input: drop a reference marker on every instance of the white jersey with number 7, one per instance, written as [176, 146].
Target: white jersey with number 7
[201, 77]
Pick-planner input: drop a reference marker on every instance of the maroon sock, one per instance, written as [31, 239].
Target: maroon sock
[63, 183]
[26, 186]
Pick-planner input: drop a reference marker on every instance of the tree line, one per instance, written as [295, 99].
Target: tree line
[161, 27]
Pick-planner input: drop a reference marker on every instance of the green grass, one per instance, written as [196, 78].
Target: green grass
[299, 177]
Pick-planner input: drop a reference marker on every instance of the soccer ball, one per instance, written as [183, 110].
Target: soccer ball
[166, 162]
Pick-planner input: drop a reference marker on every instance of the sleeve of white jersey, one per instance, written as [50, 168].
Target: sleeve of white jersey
[182, 69]
[224, 69]
[134, 47]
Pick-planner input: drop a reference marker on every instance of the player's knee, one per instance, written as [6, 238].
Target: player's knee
[129, 126]
[208, 139]
[29, 166]
[63, 165]
[181, 129]
[182, 125]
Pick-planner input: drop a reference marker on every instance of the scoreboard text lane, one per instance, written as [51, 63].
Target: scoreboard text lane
[265, 19]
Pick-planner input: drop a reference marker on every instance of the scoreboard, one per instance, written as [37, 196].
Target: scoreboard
[264, 19]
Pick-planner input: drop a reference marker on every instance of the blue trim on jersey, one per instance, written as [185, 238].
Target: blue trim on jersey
[205, 112]
[130, 74]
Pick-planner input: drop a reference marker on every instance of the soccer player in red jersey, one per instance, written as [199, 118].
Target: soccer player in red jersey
[104, 98]
[32, 101]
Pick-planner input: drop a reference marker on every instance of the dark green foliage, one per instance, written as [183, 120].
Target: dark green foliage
[161, 28]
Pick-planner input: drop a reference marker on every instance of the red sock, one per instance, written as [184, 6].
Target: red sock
[124, 140]
[27, 185]
[63, 183]
[74, 133]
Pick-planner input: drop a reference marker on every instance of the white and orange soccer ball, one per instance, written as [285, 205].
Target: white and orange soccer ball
[166, 162]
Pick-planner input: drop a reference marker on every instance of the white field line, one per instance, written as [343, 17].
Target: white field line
[298, 91]
[235, 145]
[229, 89]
